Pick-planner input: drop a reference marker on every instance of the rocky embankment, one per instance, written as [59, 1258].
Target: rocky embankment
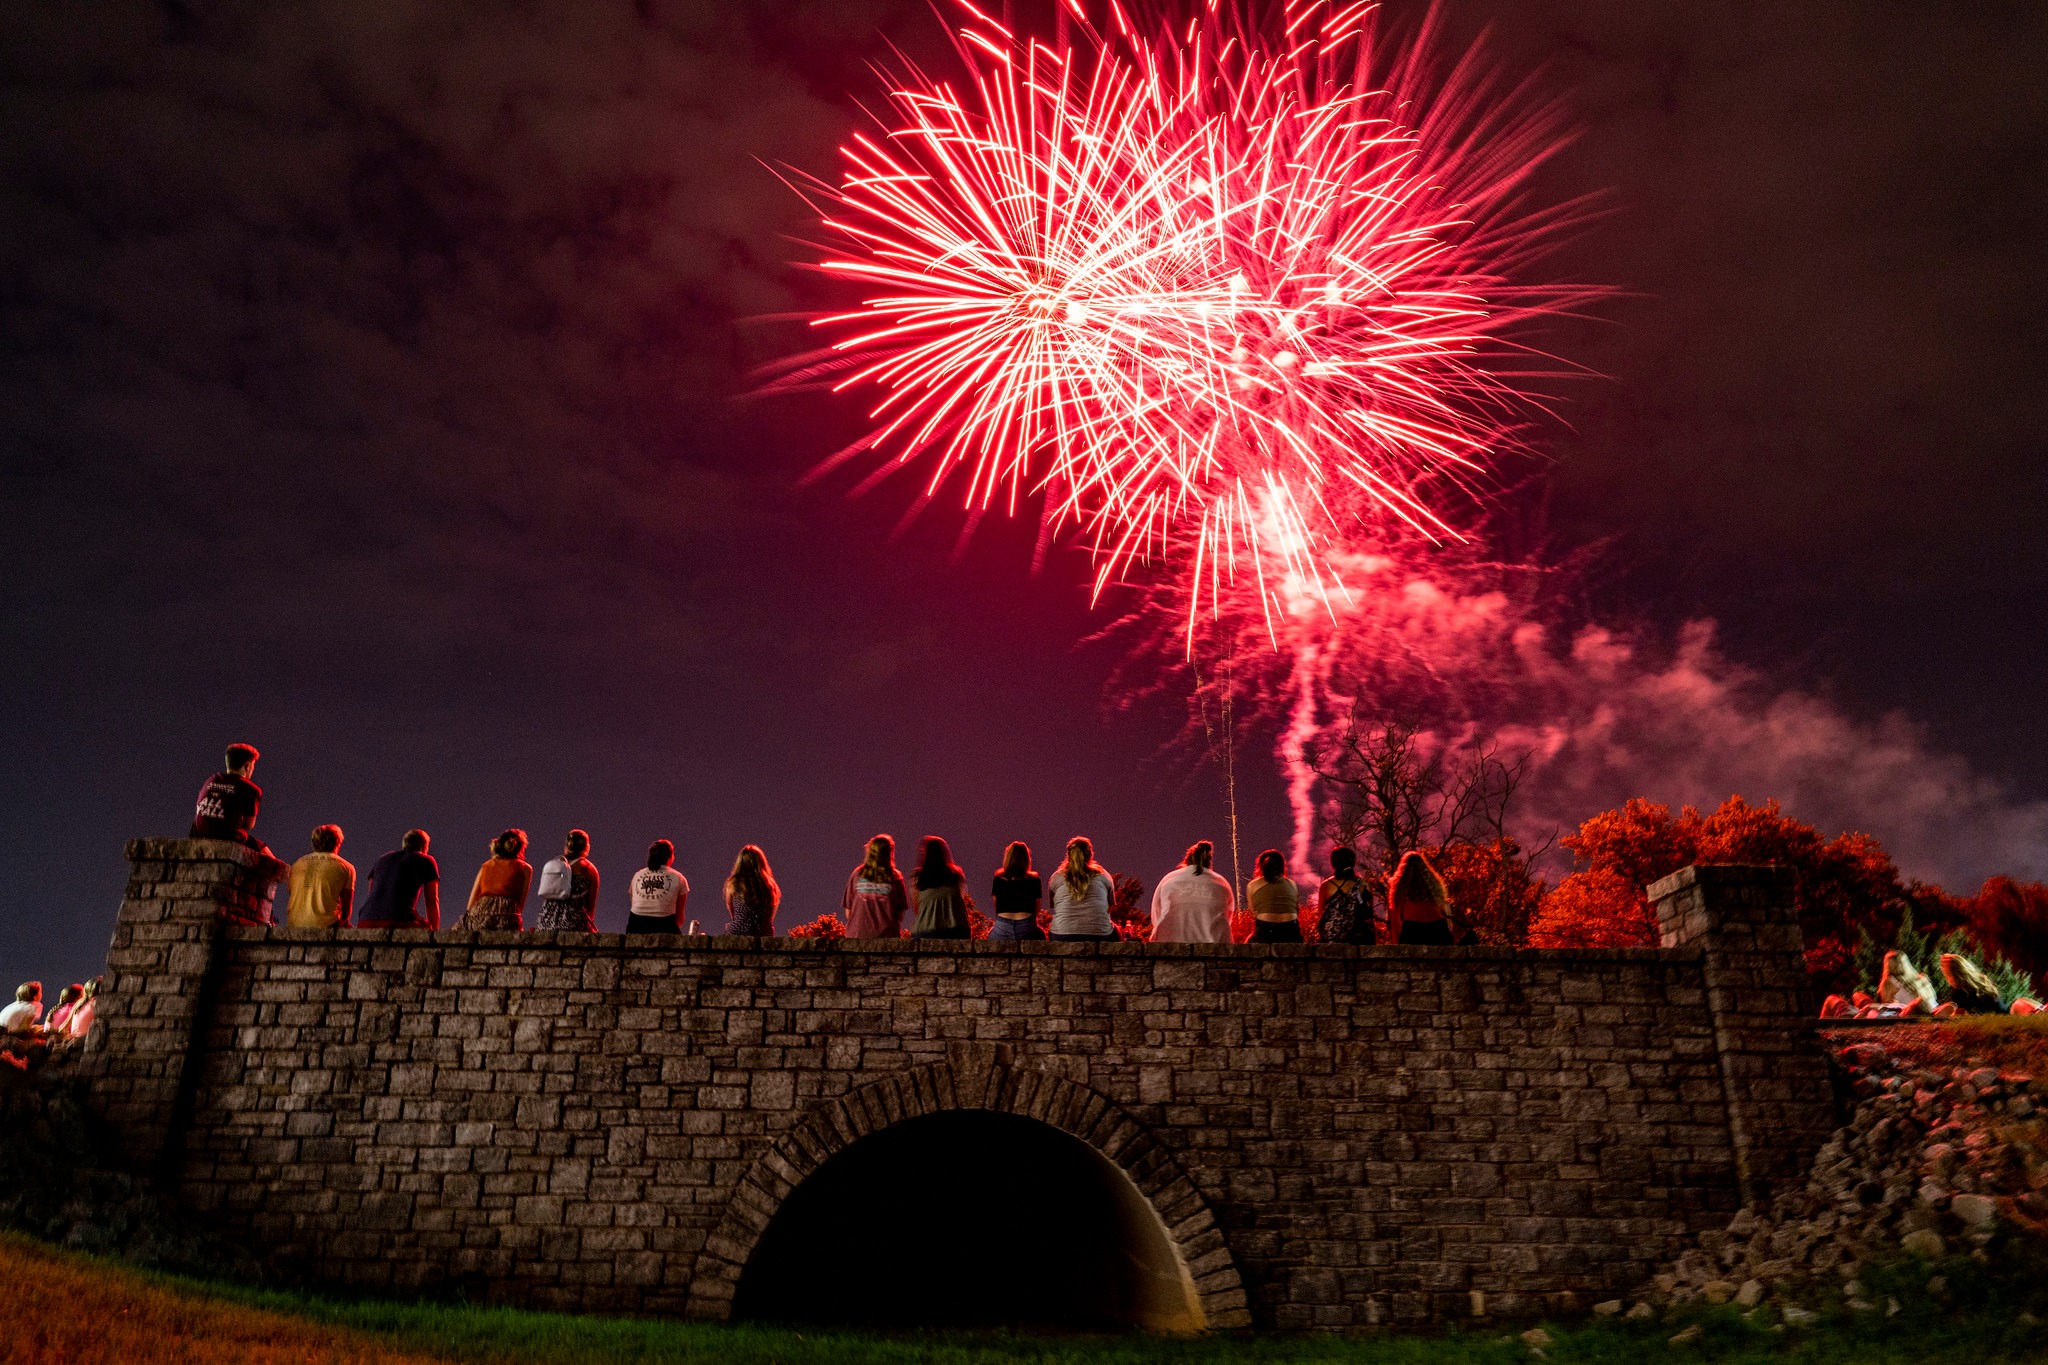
[1941, 1155]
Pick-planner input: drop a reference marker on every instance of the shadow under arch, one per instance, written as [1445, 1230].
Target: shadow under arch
[1182, 1242]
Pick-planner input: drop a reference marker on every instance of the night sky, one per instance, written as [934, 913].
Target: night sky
[372, 390]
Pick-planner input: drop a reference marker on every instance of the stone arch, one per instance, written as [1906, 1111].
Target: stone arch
[970, 1084]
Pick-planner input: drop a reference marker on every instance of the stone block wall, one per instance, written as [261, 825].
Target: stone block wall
[1334, 1137]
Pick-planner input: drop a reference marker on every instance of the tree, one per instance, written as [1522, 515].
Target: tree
[2011, 920]
[1397, 789]
[1847, 886]
[1596, 908]
[1492, 884]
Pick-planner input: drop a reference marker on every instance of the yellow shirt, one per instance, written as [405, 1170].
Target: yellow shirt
[321, 882]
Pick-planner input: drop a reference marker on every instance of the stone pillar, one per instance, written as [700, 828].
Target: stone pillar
[1780, 1101]
[159, 983]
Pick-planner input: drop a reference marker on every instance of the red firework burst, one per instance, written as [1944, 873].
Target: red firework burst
[1231, 291]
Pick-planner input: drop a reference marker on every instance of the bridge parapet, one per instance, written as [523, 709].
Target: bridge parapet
[587, 1121]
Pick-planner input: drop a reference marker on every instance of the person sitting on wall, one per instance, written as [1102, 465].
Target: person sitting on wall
[1275, 899]
[497, 899]
[20, 1017]
[229, 801]
[659, 893]
[1192, 904]
[405, 888]
[568, 888]
[1344, 912]
[1418, 905]
[323, 885]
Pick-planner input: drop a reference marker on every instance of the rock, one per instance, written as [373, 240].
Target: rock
[1795, 1316]
[1925, 1244]
[1641, 1311]
[1977, 1212]
[1891, 1308]
[1536, 1339]
[1718, 1291]
[1751, 1294]
[1608, 1308]
[1861, 1306]
[1984, 1078]
[1932, 1195]
[1691, 1333]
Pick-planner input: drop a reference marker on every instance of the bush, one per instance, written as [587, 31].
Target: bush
[824, 926]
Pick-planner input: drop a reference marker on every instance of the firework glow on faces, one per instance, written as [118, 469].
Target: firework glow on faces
[1231, 289]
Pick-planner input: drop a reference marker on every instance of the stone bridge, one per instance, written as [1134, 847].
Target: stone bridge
[1172, 1136]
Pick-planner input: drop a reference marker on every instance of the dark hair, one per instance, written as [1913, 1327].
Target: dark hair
[660, 854]
[509, 844]
[241, 756]
[326, 838]
[1016, 860]
[935, 866]
[1343, 861]
[577, 840]
[415, 841]
[74, 991]
[1271, 865]
[1199, 855]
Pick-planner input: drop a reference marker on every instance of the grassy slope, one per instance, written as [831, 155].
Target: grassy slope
[57, 1306]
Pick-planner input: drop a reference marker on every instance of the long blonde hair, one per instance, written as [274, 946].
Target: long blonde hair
[1081, 865]
[879, 865]
[1415, 880]
[752, 879]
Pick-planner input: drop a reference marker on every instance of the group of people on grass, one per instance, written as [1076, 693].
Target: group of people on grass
[25, 1035]
[1192, 904]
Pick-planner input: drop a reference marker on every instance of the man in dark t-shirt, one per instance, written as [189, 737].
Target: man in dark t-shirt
[405, 888]
[229, 801]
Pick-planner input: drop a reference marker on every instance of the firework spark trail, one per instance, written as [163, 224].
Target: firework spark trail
[1230, 294]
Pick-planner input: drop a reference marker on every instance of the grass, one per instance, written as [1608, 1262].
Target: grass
[2011, 1043]
[62, 1306]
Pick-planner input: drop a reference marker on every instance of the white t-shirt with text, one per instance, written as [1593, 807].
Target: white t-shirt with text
[660, 893]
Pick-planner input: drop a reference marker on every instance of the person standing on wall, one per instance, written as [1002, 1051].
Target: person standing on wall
[659, 893]
[1418, 905]
[497, 899]
[876, 900]
[405, 888]
[229, 802]
[941, 893]
[1192, 904]
[323, 885]
[1016, 895]
[1275, 901]
[568, 888]
[1081, 894]
[1343, 913]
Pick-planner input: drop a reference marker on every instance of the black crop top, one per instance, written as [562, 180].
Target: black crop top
[1018, 895]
